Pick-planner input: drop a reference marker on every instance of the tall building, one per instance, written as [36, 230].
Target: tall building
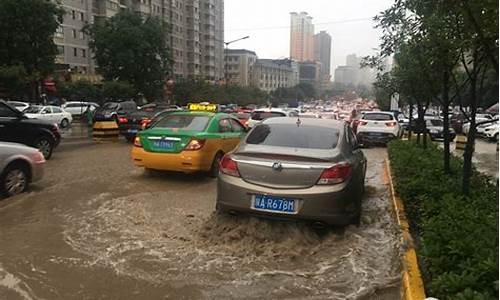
[301, 37]
[271, 74]
[352, 73]
[196, 39]
[239, 65]
[323, 53]
[310, 72]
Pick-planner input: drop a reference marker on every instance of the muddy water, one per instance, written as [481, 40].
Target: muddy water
[97, 228]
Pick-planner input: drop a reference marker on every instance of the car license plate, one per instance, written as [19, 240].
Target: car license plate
[132, 130]
[166, 145]
[275, 204]
[376, 134]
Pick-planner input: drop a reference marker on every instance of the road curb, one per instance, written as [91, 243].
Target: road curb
[413, 285]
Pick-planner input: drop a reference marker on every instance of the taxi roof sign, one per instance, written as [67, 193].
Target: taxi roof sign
[208, 107]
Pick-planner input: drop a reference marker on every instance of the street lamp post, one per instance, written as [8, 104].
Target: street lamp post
[225, 51]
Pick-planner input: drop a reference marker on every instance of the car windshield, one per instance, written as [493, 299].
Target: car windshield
[437, 123]
[262, 115]
[377, 117]
[185, 122]
[33, 109]
[304, 136]
[110, 105]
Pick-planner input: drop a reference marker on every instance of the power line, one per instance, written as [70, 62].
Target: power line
[286, 27]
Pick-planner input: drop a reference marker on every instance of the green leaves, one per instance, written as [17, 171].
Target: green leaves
[131, 48]
[457, 236]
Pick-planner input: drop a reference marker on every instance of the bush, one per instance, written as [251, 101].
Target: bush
[456, 236]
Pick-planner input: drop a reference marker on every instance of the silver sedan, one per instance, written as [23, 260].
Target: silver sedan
[310, 169]
[20, 165]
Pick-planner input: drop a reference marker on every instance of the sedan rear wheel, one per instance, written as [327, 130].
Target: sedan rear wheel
[14, 181]
[214, 170]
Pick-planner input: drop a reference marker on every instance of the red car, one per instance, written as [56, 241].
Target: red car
[242, 117]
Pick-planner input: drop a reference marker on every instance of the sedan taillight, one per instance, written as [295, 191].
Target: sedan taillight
[391, 124]
[194, 145]
[137, 142]
[122, 120]
[229, 167]
[362, 123]
[336, 174]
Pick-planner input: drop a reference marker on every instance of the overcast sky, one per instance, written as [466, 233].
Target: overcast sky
[267, 22]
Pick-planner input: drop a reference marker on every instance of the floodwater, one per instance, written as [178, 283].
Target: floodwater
[98, 228]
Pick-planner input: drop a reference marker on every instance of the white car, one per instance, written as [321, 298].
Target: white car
[78, 108]
[49, 113]
[466, 126]
[491, 131]
[21, 106]
[377, 127]
[260, 115]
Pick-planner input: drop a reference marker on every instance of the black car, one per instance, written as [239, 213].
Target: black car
[111, 111]
[435, 128]
[130, 124]
[16, 127]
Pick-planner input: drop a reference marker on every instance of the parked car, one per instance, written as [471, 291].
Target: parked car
[130, 124]
[17, 127]
[377, 127]
[435, 128]
[311, 170]
[78, 108]
[260, 115]
[53, 114]
[491, 131]
[466, 126]
[21, 106]
[111, 111]
[19, 166]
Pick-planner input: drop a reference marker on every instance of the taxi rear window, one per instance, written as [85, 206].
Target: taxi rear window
[185, 122]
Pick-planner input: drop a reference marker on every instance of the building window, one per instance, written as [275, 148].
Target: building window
[60, 50]
[73, 14]
[82, 35]
[59, 32]
[84, 53]
[75, 52]
[82, 16]
[73, 33]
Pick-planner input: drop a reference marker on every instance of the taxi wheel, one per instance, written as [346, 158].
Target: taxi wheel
[214, 169]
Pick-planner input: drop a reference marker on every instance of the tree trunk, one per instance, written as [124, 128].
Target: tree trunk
[469, 147]
[446, 122]
[410, 119]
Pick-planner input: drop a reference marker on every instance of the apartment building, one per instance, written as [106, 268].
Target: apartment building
[196, 39]
[301, 37]
[239, 66]
[271, 74]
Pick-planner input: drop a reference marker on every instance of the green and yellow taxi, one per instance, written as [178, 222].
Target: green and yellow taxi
[188, 141]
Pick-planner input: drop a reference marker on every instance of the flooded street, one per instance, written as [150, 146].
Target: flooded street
[98, 228]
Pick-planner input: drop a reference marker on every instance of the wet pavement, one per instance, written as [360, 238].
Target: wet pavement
[98, 228]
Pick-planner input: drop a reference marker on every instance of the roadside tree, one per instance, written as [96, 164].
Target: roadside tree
[27, 30]
[129, 47]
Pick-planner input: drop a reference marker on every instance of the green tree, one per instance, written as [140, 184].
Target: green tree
[81, 90]
[13, 81]
[27, 30]
[131, 48]
[117, 90]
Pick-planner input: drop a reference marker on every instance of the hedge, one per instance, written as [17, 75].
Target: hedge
[456, 237]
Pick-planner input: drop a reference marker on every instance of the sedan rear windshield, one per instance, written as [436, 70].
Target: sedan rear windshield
[262, 115]
[293, 136]
[33, 110]
[185, 122]
[378, 117]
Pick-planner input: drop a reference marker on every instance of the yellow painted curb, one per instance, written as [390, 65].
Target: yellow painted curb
[413, 286]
